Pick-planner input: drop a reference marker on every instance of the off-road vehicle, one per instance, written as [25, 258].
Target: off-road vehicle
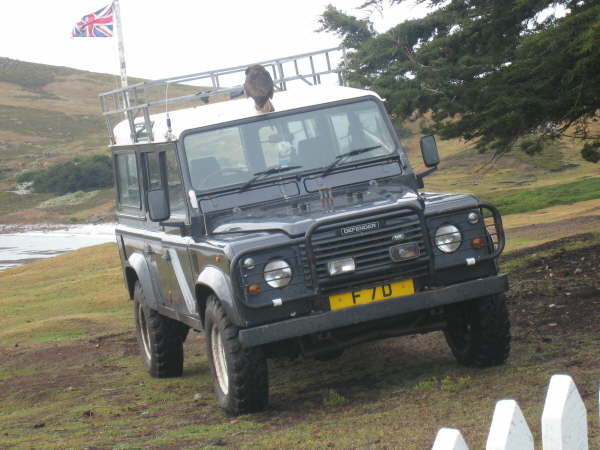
[296, 232]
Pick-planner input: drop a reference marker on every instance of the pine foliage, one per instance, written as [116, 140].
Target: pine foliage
[504, 74]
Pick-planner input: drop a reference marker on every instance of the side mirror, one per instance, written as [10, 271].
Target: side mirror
[158, 205]
[429, 151]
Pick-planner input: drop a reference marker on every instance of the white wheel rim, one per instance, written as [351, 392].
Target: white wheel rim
[144, 334]
[219, 361]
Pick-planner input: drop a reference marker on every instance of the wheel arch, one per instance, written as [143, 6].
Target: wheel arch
[138, 270]
[212, 280]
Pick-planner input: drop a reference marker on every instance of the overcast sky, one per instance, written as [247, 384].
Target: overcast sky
[174, 37]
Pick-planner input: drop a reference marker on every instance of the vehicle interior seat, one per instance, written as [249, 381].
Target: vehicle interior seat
[315, 152]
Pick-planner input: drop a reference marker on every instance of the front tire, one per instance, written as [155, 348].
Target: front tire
[478, 331]
[240, 376]
[160, 339]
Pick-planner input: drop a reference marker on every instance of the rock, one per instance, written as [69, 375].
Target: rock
[198, 397]
[578, 271]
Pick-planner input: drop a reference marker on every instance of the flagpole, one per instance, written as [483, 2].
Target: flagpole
[128, 114]
[117, 11]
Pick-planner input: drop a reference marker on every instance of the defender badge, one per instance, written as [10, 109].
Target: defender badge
[361, 228]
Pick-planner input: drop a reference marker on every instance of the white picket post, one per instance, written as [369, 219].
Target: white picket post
[564, 420]
[509, 430]
[449, 439]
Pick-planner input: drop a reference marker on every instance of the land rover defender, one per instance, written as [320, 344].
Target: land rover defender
[296, 232]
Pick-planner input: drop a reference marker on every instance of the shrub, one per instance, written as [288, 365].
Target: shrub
[80, 174]
[27, 176]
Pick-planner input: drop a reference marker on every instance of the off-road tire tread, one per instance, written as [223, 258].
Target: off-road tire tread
[247, 368]
[166, 341]
[490, 344]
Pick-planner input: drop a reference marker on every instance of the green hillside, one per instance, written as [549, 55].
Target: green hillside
[47, 114]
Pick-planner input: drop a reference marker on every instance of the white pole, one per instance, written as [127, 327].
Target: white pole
[117, 12]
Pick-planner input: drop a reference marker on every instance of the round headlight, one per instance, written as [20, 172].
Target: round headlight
[278, 273]
[448, 238]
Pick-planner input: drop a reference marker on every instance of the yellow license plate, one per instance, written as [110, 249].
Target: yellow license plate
[370, 295]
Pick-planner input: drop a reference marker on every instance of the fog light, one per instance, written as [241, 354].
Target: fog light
[404, 252]
[340, 266]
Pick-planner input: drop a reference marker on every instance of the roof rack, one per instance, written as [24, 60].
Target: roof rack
[139, 100]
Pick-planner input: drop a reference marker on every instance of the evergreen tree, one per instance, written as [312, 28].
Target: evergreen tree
[502, 73]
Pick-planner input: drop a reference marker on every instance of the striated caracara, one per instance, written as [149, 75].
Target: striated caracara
[259, 86]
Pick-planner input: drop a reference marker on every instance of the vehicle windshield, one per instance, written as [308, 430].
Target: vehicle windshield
[309, 140]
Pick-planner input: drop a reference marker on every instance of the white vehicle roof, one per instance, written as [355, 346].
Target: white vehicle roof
[227, 111]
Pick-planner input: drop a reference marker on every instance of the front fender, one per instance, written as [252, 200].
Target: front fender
[220, 283]
[138, 262]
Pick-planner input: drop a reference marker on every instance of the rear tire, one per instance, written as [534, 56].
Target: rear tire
[240, 376]
[160, 339]
[478, 331]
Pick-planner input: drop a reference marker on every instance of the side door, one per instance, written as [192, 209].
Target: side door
[170, 255]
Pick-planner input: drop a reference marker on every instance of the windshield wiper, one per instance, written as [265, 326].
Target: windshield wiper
[264, 173]
[340, 158]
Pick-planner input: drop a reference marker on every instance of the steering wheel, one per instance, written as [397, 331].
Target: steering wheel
[223, 171]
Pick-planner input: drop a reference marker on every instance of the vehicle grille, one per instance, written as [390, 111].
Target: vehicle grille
[370, 250]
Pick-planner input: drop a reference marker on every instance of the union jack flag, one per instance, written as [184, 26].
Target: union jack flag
[98, 24]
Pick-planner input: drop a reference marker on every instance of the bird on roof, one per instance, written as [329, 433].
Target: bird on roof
[259, 86]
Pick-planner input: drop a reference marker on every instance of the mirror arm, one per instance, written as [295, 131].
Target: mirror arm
[422, 175]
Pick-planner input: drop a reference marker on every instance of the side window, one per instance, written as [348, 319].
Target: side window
[176, 193]
[127, 180]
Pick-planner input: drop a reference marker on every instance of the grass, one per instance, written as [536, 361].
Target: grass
[75, 379]
[48, 124]
[60, 298]
[44, 208]
[524, 200]
[11, 202]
